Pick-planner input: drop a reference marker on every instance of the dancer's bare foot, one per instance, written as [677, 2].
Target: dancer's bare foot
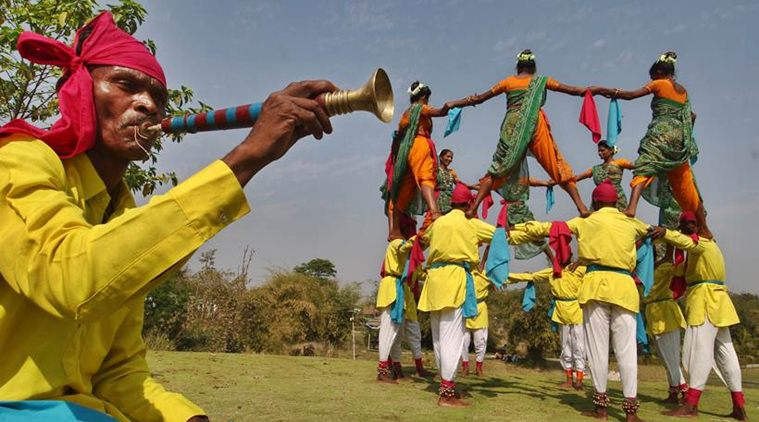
[632, 417]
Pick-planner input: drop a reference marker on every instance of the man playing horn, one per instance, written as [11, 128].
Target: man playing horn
[79, 257]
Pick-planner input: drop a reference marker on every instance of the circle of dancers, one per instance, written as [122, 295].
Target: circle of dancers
[622, 285]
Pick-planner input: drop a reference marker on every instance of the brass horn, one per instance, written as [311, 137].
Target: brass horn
[376, 96]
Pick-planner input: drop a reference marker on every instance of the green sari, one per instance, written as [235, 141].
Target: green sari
[614, 173]
[417, 206]
[445, 185]
[510, 157]
[667, 144]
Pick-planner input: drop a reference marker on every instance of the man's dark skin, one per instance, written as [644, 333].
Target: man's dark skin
[126, 99]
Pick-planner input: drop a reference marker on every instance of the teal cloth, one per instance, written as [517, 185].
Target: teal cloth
[594, 267]
[640, 332]
[549, 199]
[470, 297]
[613, 122]
[497, 265]
[551, 310]
[454, 121]
[530, 297]
[49, 410]
[644, 267]
[396, 312]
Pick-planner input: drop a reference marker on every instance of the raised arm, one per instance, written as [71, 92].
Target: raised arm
[584, 175]
[542, 183]
[436, 112]
[542, 275]
[473, 100]
[619, 93]
[567, 89]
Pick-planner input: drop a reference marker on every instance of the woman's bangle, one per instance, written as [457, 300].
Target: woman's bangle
[616, 92]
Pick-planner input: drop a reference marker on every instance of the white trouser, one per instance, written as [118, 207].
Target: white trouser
[448, 331]
[480, 342]
[465, 349]
[602, 320]
[413, 336]
[388, 334]
[668, 345]
[704, 345]
[573, 347]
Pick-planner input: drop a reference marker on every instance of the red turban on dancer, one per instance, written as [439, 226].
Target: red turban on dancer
[104, 44]
[605, 192]
[461, 194]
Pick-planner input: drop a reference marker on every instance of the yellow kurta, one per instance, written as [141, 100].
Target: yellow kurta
[662, 313]
[396, 255]
[72, 288]
[704, 300]
[482, 286]
[451, 238]
[607, 237]
[564, 290]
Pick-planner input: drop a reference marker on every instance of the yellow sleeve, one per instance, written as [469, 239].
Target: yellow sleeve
[484, 230]
[681, 241]
[624, 163]
[124, 379]
[72, 269]
[542, 275]
[640, 227]
[454, 175]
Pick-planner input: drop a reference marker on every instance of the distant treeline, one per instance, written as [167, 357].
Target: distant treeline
[307, 310]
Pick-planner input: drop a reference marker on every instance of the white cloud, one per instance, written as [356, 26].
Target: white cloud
[369, 16]
[599, 43]
[505, 45]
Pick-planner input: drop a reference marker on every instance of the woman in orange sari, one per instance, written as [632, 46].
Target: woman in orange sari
[411, 168]
[524, 127]
[668, 147]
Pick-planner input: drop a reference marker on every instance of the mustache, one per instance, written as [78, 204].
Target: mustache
[142, 122]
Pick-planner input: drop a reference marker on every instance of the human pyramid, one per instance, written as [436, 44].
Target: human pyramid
[620, 263]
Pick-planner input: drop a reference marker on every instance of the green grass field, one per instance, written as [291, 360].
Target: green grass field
[249, 387]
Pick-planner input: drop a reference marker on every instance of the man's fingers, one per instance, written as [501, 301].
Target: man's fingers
[318, 110]
[312, 117]
[309, 89]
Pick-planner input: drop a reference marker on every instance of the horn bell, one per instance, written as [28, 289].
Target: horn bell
[375, 96]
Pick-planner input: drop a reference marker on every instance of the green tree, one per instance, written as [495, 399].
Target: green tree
[322, 269]
[27, 90]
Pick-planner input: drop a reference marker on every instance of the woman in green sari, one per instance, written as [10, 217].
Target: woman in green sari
[525, 127]
[611, 169]
[667, 150]
[446, 181]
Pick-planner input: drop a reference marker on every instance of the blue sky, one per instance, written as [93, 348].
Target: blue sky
[322, 199]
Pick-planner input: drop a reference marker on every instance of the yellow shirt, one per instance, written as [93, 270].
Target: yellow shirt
[564, 289]
[662, 313]
[607, 237]
[72, 288]
[396, 255]
[704, 300]
[451, 238]
[482, 286]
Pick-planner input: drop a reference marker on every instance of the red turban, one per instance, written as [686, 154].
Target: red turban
[106, 44]
[605, 192]
[461, 194]
[688, 216]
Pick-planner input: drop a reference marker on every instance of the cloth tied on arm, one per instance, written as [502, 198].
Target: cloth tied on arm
[499, 255]
[589, 116]
[550, 200]
[613, 122]
[644, 274]
[454, 121]
[105, 44]
[558, 239]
